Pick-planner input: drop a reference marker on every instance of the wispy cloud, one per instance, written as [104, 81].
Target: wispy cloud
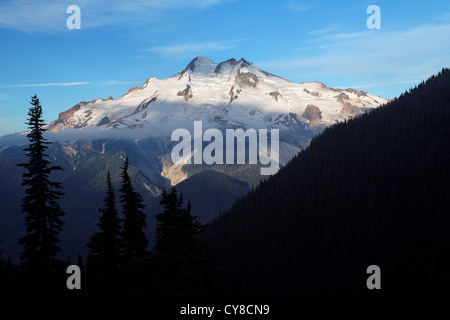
[194, 48]
[115, 82]
[188, 48]
[67, 84]
[323, 30]
[400, 55]
[137, 5]
[378, 84]
[3, 96]
[310, 48]
[27, 16]
[49, 84]
[297, 5]
[50, 16]
[7, 126]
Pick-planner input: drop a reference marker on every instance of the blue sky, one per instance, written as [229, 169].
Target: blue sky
[123, 43]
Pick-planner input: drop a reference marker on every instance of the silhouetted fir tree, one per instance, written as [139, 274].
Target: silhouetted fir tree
[2, 261]
[1, 254]
[180, 267]
[80, 262]
[40, 204]
[105, 246]
[135, 241]
[3, 273]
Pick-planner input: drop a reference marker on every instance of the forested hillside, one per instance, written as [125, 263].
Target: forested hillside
[370, 191]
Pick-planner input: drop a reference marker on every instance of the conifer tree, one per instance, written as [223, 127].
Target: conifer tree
[3, 279]
[2, 262]
[40, 204]
[135, 241]
[181, 265]
[105, 246]
[80, 262]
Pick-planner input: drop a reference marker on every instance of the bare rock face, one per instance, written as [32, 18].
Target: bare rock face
[130, 91]
[103, 121]
[231, 61]
[64, 119]
[190, 67]
[144, 104]
[359, 93]
[218, 89]
[350, 109]
[274, 95]
[186, 93]
[87, 117]
[342, 98]
[347, 107]
[233, 96]
[66, 115]
[313, 114]
[313, 93]
[246, 79]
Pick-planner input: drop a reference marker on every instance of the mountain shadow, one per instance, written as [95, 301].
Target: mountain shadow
[373, 190]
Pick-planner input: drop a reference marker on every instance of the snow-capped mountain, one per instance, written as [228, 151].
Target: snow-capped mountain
[94, 137]
[230, 93]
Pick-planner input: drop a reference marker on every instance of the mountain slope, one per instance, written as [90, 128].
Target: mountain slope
[93, 137]
[233, 93]
[371, 191]
[211, 191]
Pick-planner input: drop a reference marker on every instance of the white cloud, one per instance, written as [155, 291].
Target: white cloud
[3, 96]
[323, 30]
[71, 135]
[191, 48]
[50, 16]
[7, 126]
[136, 5]
[68, 84]
[115, 82]
[371, 55]
[297, 6]
[50, 84]
[378, 84]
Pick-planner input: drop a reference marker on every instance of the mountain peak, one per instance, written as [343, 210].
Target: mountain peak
[204, 65]
[245, 63]
[197, 63]
[222, 93]
[202, 59]
[233, 63]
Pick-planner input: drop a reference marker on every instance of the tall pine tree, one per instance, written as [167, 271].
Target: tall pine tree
[3, 276]
[182, 268]
[105, 246]
[2, 262]
[134, 238]
[40, 204]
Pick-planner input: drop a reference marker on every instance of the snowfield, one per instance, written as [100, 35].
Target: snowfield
[233, 93]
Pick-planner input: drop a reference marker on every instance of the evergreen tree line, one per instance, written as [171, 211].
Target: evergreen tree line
[370, 191]
[119, 241]
[119, 263]
[373, 190]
